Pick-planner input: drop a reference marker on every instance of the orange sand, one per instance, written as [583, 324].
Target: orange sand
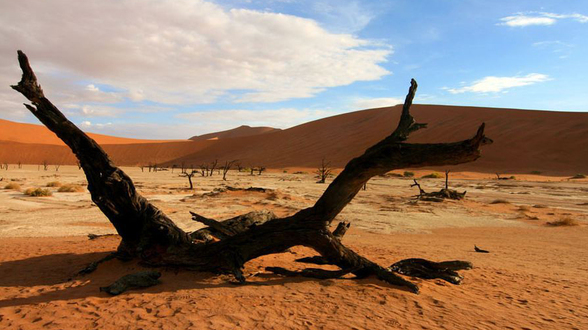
[535, 278]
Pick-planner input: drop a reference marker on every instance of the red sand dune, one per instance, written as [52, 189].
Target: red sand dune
[238, 132]
[524, 140]
[29, 133]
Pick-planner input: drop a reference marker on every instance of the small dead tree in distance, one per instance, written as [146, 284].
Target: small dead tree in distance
[213, 166]
[151, 236]
[227, 167]
[189, 175]
[323, 171]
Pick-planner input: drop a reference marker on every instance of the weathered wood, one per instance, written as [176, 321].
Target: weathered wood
[141, 279]
[437, 196]
[477, 249]
[148, 234]
[422, 268]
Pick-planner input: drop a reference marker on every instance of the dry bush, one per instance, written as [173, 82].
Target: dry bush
[433, 175]
[524, 208]
[563, 222]
[38, 192]
[500, 201]
[540, 206]
[13, 186]
[579, 176]
[70, 188]
[53, 184]
[408, 174]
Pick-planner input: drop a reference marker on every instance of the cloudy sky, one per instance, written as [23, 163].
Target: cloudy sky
[177, 68]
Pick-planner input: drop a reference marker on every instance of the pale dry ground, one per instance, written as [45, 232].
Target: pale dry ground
[536, 277]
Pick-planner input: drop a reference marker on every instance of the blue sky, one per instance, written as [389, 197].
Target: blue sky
[173, 69]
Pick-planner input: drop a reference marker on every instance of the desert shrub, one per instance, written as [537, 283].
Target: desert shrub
[408, 174]
[433, 175]
[70, 188]
[300, 172]
[535, 172]
[13, 186]
[563, 222]
[38, 192]
[578, 176]
[285, 171]
[500, 201]
[53, 184]
[394, 175]
[512, 177]
[540, 206]
[524, 208]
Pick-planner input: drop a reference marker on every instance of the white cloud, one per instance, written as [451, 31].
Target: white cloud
[179, 52]
[539, 18]
[498, 84]
[376, 103]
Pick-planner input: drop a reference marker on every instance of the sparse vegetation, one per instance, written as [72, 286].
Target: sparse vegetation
[563, 222]
[535, 172]
[579, 176]
[408, 174]
[500, 201]
[433, 175]
[53, 184]
[13, 186]
[38, 192]
[71, 188]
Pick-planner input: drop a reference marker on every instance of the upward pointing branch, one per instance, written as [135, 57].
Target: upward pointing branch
[407, 124]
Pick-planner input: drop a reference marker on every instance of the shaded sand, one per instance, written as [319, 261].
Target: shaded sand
[524, 141]
[534, 277]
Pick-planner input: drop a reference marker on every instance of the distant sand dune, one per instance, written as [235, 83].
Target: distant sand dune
[524, 141]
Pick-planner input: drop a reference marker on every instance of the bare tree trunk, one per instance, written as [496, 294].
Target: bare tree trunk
[148, 234]
[226, 168]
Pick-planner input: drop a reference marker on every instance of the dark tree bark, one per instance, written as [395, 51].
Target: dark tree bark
[148, 234]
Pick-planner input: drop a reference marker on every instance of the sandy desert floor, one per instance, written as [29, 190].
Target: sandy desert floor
[536, 276]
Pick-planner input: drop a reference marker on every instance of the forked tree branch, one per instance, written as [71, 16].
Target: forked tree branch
[149, 234]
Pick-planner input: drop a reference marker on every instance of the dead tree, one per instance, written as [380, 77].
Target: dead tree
[213, 166]
[227, 167]
[189, 176]
[45, 165]
[203, 169]
[323, 171]
[80, 166]
[438, 196]
[19, 164]
[57, 168]
[150, 235]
